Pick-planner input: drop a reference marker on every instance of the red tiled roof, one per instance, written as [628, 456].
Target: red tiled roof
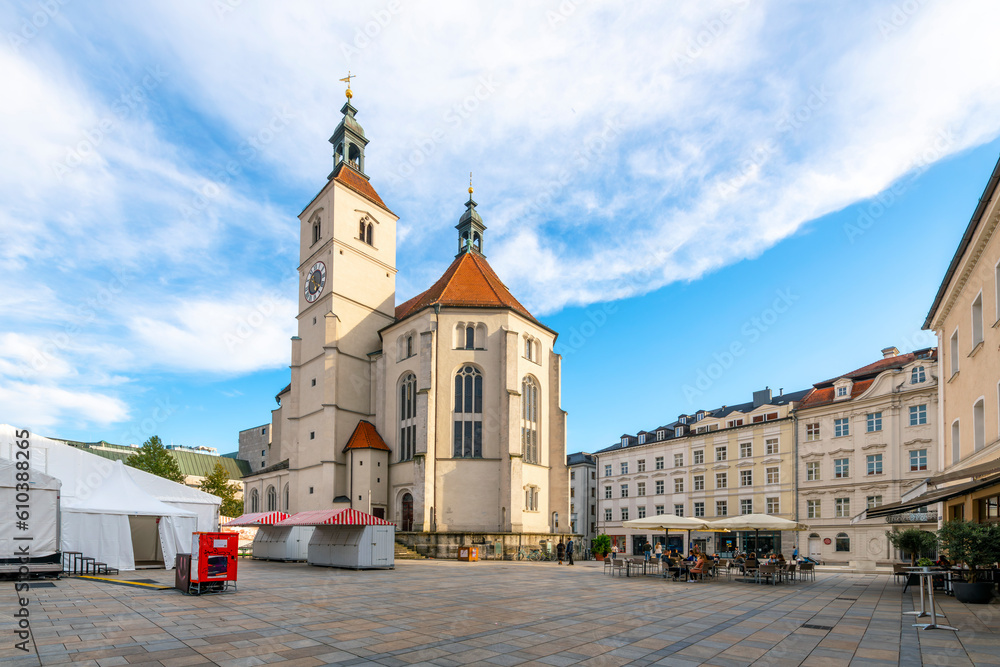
[469, 282]
[358, 183]
[877, 367]
[366, 437]
[822, 396]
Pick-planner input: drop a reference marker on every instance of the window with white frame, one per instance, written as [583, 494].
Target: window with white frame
[678, 460]
[721, 508]
[771, 446]
[640, 512]
[699, 509]
[607, 493]
[874, 421]
[843, 542]
[679, 485]
[841, 427]
[699, 456]
[841, 468]
[841, 391]
[918, 460]
[658, 462]
[531, 499]
[468, 435]
[641, 465]
[873, 501]
[746, 478]
[640, 488]
[607, 514]
[624, 514]
[977, 320]
[661, 434]
[917, 375]
[812, 471]
[773, 505]
[746, 506]
[529, 420]
[407, 416]
[678, 509]
[607, 470]
[699, 482]
[642, 438]
[842, 507]
[874, 462]
[624, 467]
[812, 509]
[720, 453]
[772, 476]
[624, 488]
[953, 351]
[660, 511]
[918, 415]
[721, 480]
[624, 441]
[812, 431]
[746, 450]
[659, 487]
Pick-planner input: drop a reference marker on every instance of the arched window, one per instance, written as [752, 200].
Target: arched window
[979, 425]
[477, 242]
[529, 420]
[956, 442]
[284, 498]
[316, 229]
[368, 235]
[843, 542]
[555, 520]
[409, 346]
[254, 501]
[362, 227]
[468, 436]
[272, 499]
[917, 375]
[407, 416]
[470, 337]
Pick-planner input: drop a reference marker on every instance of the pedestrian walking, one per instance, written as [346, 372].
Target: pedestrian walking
[569, 551]
[560, 551]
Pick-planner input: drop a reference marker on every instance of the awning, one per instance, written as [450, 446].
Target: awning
[978, 470]
[344, 517]
[258, 519]
[936, 496]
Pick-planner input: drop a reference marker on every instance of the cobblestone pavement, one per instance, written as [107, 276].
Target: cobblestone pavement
[448, 613]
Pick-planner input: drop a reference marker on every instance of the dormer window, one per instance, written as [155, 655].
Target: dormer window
[917, 375]
[624, 441]
[698, 417]
[642, 438]
[841, 391]
[661, 434]
[684, 420]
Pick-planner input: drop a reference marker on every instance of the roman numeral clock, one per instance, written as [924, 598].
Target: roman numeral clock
[315, 280]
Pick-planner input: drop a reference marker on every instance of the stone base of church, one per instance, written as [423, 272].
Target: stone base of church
[491, 545]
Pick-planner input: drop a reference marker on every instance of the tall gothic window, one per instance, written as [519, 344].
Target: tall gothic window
[272, 499]
[365, 231]
[284, 498]
[529, 420]
[407, 416]
[470, 337]
[316, 229]
[254, 501]
[468, 413]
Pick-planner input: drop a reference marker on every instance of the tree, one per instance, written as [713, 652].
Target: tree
[601, 544]
[217, 483]
[913, 541]
[975, 544]
[154, 458]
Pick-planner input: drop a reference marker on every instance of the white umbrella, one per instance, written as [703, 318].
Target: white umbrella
[666, 521]
[756, 523]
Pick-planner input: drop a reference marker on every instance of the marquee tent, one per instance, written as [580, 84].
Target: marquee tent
[39, 532]
[116, 514]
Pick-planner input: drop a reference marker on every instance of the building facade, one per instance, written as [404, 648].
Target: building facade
[866, 438]
[255, 444]
[582, 498]
[711, 464]
[441, 413]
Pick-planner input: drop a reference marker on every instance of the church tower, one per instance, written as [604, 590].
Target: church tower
[347, 288]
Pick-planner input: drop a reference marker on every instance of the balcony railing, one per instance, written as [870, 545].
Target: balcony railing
[913, 517]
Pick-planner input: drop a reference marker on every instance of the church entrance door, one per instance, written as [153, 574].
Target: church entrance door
[407, 519]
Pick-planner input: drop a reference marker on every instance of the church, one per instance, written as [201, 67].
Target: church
[441, 413]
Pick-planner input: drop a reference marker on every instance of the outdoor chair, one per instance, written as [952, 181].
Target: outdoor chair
[608, 564]
[617, 565]
[790, 570]
[808, 569]
[768, 572]
[898, 571]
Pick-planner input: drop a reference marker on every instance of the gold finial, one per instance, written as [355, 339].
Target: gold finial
[348, 80]
[470, 183]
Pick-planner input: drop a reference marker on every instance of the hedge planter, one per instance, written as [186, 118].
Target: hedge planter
[978, 593]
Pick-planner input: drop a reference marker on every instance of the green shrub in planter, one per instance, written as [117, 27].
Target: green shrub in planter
[974, 544]
[914, 541]
[600, 545]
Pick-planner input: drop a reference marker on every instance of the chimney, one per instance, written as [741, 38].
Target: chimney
[889, 352]
[781, 391]
[762, 397]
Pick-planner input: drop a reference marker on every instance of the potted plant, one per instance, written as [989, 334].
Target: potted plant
[913, 541]
[977, 546]
[600, 546]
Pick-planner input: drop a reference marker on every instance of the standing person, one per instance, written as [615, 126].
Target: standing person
[614, 550]
[659, 549]
[795, 553]
[647, 550]
[560, 551]
[569, 551]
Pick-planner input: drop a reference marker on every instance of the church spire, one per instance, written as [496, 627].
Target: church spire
[349, 138]
[470, 227]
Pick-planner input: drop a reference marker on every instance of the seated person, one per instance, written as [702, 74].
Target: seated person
[700, 567]
[943, 561]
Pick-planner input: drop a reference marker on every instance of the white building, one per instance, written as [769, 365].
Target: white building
[582, 498]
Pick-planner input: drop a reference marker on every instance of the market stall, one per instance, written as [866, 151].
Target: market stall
[347, 538]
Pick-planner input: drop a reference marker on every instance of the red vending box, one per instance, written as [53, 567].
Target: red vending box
[213, 561]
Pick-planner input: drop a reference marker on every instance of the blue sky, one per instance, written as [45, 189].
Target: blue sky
[658, 183]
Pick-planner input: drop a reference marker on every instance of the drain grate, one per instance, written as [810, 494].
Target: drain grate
[145, 581]
[43, 584]
[846, 598]
[811, 626]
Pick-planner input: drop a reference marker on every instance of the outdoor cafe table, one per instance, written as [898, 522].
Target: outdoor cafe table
[925, 576]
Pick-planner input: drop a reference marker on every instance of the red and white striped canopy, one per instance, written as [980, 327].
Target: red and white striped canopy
[345, 517]
[258, 519]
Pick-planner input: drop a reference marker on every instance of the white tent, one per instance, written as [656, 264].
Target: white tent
[93, 486]
[38, 497]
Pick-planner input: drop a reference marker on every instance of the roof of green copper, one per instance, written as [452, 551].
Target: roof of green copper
[190, 463]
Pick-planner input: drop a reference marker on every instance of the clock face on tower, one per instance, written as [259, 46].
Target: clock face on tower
[315, 280]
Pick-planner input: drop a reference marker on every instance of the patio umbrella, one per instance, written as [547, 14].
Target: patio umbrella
[665, 522]
[756, 523]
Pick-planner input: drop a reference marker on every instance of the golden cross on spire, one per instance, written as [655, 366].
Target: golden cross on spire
[348, 80]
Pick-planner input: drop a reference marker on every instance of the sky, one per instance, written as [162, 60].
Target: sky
[704, 199]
